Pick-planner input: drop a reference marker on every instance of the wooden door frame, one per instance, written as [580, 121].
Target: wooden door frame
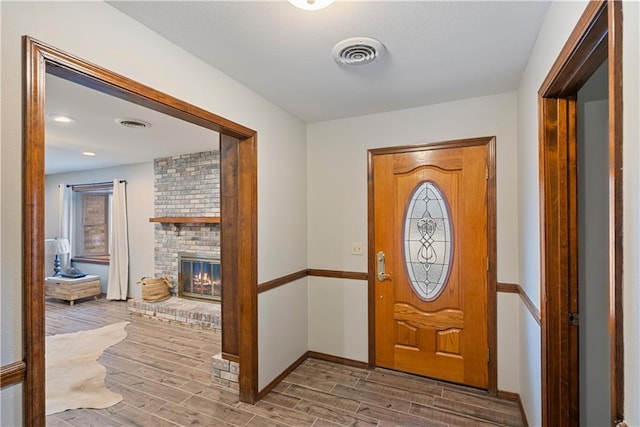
[238, 188]
[492, 332]
[596, 37]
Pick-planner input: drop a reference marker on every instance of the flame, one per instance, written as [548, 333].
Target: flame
[202, 279]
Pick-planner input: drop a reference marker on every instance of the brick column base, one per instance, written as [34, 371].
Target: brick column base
[225, 372]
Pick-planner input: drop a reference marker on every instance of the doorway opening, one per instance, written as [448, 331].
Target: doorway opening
[593, 251]
[596, 38]
[238, 228]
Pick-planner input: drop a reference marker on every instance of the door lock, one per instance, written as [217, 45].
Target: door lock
[574, 319]
[382, 276]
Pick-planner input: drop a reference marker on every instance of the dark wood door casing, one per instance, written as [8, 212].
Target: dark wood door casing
[596, 37]
[559, 174]
[238, 231]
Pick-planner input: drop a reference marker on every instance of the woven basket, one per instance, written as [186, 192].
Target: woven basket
[155, 289]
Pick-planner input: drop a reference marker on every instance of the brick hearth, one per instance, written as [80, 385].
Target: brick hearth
[179, 310]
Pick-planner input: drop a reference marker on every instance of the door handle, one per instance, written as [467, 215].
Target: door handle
[382, 275]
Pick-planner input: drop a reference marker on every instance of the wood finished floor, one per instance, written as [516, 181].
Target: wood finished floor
[163, 372]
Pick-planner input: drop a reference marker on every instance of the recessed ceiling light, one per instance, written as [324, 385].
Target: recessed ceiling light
[133, 123]
[311, 4]
[88, 153]
[62, 119]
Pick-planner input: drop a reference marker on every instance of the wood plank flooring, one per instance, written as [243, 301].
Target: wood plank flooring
[163, 372]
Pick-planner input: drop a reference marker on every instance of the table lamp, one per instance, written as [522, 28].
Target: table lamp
[56, 247]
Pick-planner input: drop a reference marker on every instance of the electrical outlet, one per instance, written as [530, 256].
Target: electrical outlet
[356, 248]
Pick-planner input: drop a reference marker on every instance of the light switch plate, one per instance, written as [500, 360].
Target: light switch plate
[356, 248]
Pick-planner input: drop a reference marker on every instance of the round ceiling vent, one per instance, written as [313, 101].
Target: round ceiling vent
[358, 51]
[133, 123]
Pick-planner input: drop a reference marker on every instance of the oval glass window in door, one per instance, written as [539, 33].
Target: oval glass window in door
[428, 241]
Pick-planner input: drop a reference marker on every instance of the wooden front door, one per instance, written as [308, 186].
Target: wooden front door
[432, 260]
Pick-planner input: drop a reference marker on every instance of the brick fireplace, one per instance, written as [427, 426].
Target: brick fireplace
[187, 186]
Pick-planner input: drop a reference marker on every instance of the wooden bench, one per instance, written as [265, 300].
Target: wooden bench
[70, 289]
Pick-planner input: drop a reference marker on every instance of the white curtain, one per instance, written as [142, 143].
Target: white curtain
[119, 245]
[65, 218]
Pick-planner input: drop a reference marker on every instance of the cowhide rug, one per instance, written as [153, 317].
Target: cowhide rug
[74, 378]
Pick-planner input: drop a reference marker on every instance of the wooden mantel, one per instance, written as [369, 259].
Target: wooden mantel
[187, 220]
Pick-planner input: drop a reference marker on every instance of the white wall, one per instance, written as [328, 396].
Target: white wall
[559, 22]
[338, 317]
[10, 254]
[530, 375]
[140, 196]
[100, 34]
[631, 212]
[282, 244]
[509, 337]
[10, 320]
[337, 193]
[286, 328]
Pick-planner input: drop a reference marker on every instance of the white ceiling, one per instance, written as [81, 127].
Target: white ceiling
[436, 52]
[94, 129]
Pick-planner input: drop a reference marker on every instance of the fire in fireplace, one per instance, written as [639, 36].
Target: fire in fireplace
[199, 276]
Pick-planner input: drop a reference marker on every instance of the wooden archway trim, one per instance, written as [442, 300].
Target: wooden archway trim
[238, 189]
[596, 37]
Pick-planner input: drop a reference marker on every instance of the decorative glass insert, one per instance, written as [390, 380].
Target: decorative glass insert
[428, 238]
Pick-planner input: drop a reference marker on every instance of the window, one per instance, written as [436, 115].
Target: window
[92, 224]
